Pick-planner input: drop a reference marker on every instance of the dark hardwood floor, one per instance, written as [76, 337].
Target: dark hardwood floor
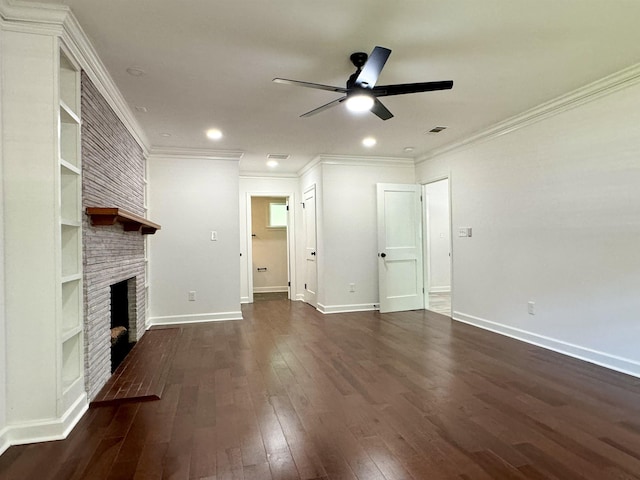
[290, 393]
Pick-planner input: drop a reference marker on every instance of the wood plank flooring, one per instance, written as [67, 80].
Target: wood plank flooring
[143, 373]
[291, 394]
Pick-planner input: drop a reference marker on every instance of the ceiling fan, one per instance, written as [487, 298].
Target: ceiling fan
[361, 93]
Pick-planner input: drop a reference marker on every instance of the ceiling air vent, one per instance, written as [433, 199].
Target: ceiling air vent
[278, 156]
[436, 130]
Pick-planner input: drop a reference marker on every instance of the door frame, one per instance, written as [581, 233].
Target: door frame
[291, 258]
[425, 237]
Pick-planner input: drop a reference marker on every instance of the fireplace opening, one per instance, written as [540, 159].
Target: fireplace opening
[120, 323]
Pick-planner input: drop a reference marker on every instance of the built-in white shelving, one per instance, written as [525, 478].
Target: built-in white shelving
[71, 336]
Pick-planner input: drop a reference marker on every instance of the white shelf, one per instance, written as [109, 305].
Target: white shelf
[70, 278]
[70, 333]
[67, 115]
[69, 166]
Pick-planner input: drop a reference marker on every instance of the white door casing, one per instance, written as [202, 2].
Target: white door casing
[400, 271]
[310, 253]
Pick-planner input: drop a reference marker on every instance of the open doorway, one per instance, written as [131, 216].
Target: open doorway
[437, 246]
[269, 248]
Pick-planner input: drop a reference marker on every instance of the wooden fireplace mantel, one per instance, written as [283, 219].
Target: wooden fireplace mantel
[132, 223]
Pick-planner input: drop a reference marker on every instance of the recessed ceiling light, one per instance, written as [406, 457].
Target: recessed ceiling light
[360, 102]
[272, 164]
[408, 149]
[135, 71]
[369, 141]
[214, 134]
[165, 134]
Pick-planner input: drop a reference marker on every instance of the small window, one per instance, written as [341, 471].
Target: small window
[277, 215]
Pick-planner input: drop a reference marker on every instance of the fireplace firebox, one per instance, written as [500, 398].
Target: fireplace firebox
[121, 342]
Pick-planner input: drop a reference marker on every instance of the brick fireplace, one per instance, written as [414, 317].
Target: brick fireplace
[112, 176]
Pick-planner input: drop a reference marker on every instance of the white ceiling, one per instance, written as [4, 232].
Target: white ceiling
[210, 64]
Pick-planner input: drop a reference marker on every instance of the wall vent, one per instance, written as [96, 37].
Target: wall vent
[278, 156]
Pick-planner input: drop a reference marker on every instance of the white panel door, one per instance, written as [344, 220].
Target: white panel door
[310, 257]
[400, 247]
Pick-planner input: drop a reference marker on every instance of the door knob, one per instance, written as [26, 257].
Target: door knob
[383, 254]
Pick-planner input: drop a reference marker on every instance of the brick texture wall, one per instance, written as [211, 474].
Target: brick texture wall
[112, 176]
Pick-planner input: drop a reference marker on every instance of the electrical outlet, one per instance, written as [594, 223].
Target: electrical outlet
[531, 308]
[192, 296]
[352, 287]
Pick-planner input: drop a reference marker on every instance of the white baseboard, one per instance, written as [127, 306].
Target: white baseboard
[613, 362]
[195, 318]
[244, 299]
[46, 430]
[364, 307]
[444, 289]
[270, 289]
[300, 297]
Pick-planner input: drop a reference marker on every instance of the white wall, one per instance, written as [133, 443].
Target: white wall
[349, 231]
[263, 186]
[269, 252]
[436, 203]
[555, 212]
[3, 336]
[190, 198]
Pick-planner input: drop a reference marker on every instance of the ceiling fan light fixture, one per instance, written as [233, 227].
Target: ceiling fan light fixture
[360, 102]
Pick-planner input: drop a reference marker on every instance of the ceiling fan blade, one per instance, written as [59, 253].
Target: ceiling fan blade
[324, 107]
[380, 110]
[310, 85]
[371, 70]
[402, 88]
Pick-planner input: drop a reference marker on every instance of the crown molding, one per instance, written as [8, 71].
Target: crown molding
[272, 175]
[356, 161]
[33, 13]
[59, 20]
[78, 42]
[195, 153]
[593, 91]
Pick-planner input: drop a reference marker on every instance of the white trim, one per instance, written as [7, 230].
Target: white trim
[613, 362]
[300, 297]
[244, 300]
[270, 289]
[59, 20]
[605, 86]
[28, 12]
[78, 42]
[443, 289]
[260, 175]
[44, 430]
[357, 161]
[363, 307]
[195, 153]
[195, 318]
